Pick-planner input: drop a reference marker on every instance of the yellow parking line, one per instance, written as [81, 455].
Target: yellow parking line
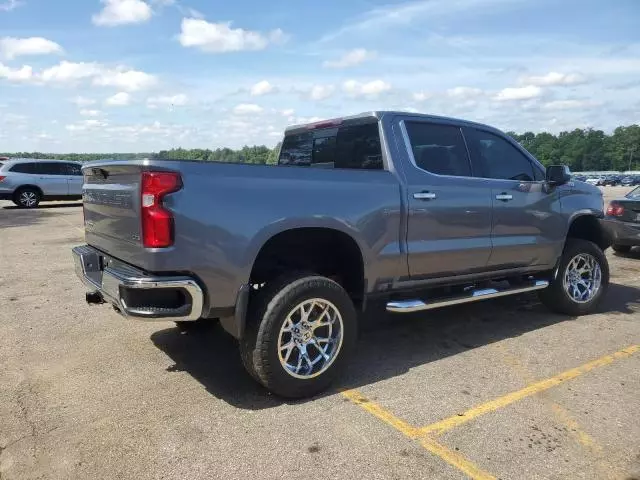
[452, 422]
[451, 457]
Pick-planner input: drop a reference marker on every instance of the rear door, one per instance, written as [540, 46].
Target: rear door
[449, 223]
[527, 227]
[53, 178]
[74, 178]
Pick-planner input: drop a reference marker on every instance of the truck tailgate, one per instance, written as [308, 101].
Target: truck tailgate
[111, 194]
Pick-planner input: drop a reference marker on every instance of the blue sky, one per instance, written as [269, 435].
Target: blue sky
[146, 75]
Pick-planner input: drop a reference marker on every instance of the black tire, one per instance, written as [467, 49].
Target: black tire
[197, 325]
[621, 248]
[27, 197]
[268, 311]
[557, 299]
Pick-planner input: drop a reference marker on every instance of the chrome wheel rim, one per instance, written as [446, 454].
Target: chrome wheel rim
[310, 338]
[28, 199]
[582, 278]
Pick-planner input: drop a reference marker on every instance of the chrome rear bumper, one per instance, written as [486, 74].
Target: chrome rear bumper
[119, 284]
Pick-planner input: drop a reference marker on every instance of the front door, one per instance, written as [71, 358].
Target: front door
[53, 178]
[527, 227]
[449, 222]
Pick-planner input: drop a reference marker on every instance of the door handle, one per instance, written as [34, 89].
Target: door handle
[505, 197]
[424, 196]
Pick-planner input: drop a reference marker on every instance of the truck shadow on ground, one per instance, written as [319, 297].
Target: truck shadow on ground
[388, 346]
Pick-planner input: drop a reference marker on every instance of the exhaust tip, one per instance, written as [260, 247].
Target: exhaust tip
[94, 298]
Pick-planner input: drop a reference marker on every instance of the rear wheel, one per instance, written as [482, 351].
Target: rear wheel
[27, 197]
[581, 280]
[621, 248]
[300, 333]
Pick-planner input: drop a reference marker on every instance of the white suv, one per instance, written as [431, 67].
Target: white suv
[27, 182]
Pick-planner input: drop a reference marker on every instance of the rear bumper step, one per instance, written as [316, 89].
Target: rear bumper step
[135, 294]
[409, 306]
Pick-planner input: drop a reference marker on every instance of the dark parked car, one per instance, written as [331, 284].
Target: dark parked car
[623, 221]
[611, 180]
[630, 181]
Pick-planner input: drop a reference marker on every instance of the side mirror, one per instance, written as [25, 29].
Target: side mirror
[558, 174]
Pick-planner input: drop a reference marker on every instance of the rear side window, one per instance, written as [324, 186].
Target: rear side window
[351, 147]
[497, 158]
[439, 149]
[24, 168]
[53, 168]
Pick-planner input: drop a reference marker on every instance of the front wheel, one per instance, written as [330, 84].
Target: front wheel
[300, 332]
[581, 280]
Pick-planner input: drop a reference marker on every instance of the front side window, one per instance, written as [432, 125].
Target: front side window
[497, 158]
[352, 147]
[439, 149]
[73, 169]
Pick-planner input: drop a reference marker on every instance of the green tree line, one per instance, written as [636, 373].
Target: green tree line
[580, 149]
[586, 149]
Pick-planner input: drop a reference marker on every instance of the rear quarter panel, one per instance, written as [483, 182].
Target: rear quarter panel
[225, 213]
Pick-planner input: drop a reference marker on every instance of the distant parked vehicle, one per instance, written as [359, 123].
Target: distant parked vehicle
[623, 221]
[593, 181]
[28, 182]
[627, 181]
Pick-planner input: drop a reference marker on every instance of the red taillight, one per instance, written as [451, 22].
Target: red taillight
[615, 209]
[2, 178]
[157, 222]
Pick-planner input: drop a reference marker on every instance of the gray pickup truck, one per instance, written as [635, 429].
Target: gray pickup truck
[416, 210]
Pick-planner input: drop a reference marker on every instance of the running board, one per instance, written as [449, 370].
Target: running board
[409, 306]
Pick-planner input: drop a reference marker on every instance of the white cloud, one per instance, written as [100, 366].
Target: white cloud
[321, 92]
[178, 100]
[247, 108]
[130, 80]
[350, 59]
[569, 104]
[519, 93]
[120, 99]
[287, 112]
[90, 113]
[119, 77]
[85, 125]
[553, 78]
[422, 96]
[121, 12]
[220, 37]
[12, 47]
[9, 5]
[262, 88]
[83, 101]
[372, 88]
[399, 15]
[70, 72]
[23, 74]
[464, 92]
